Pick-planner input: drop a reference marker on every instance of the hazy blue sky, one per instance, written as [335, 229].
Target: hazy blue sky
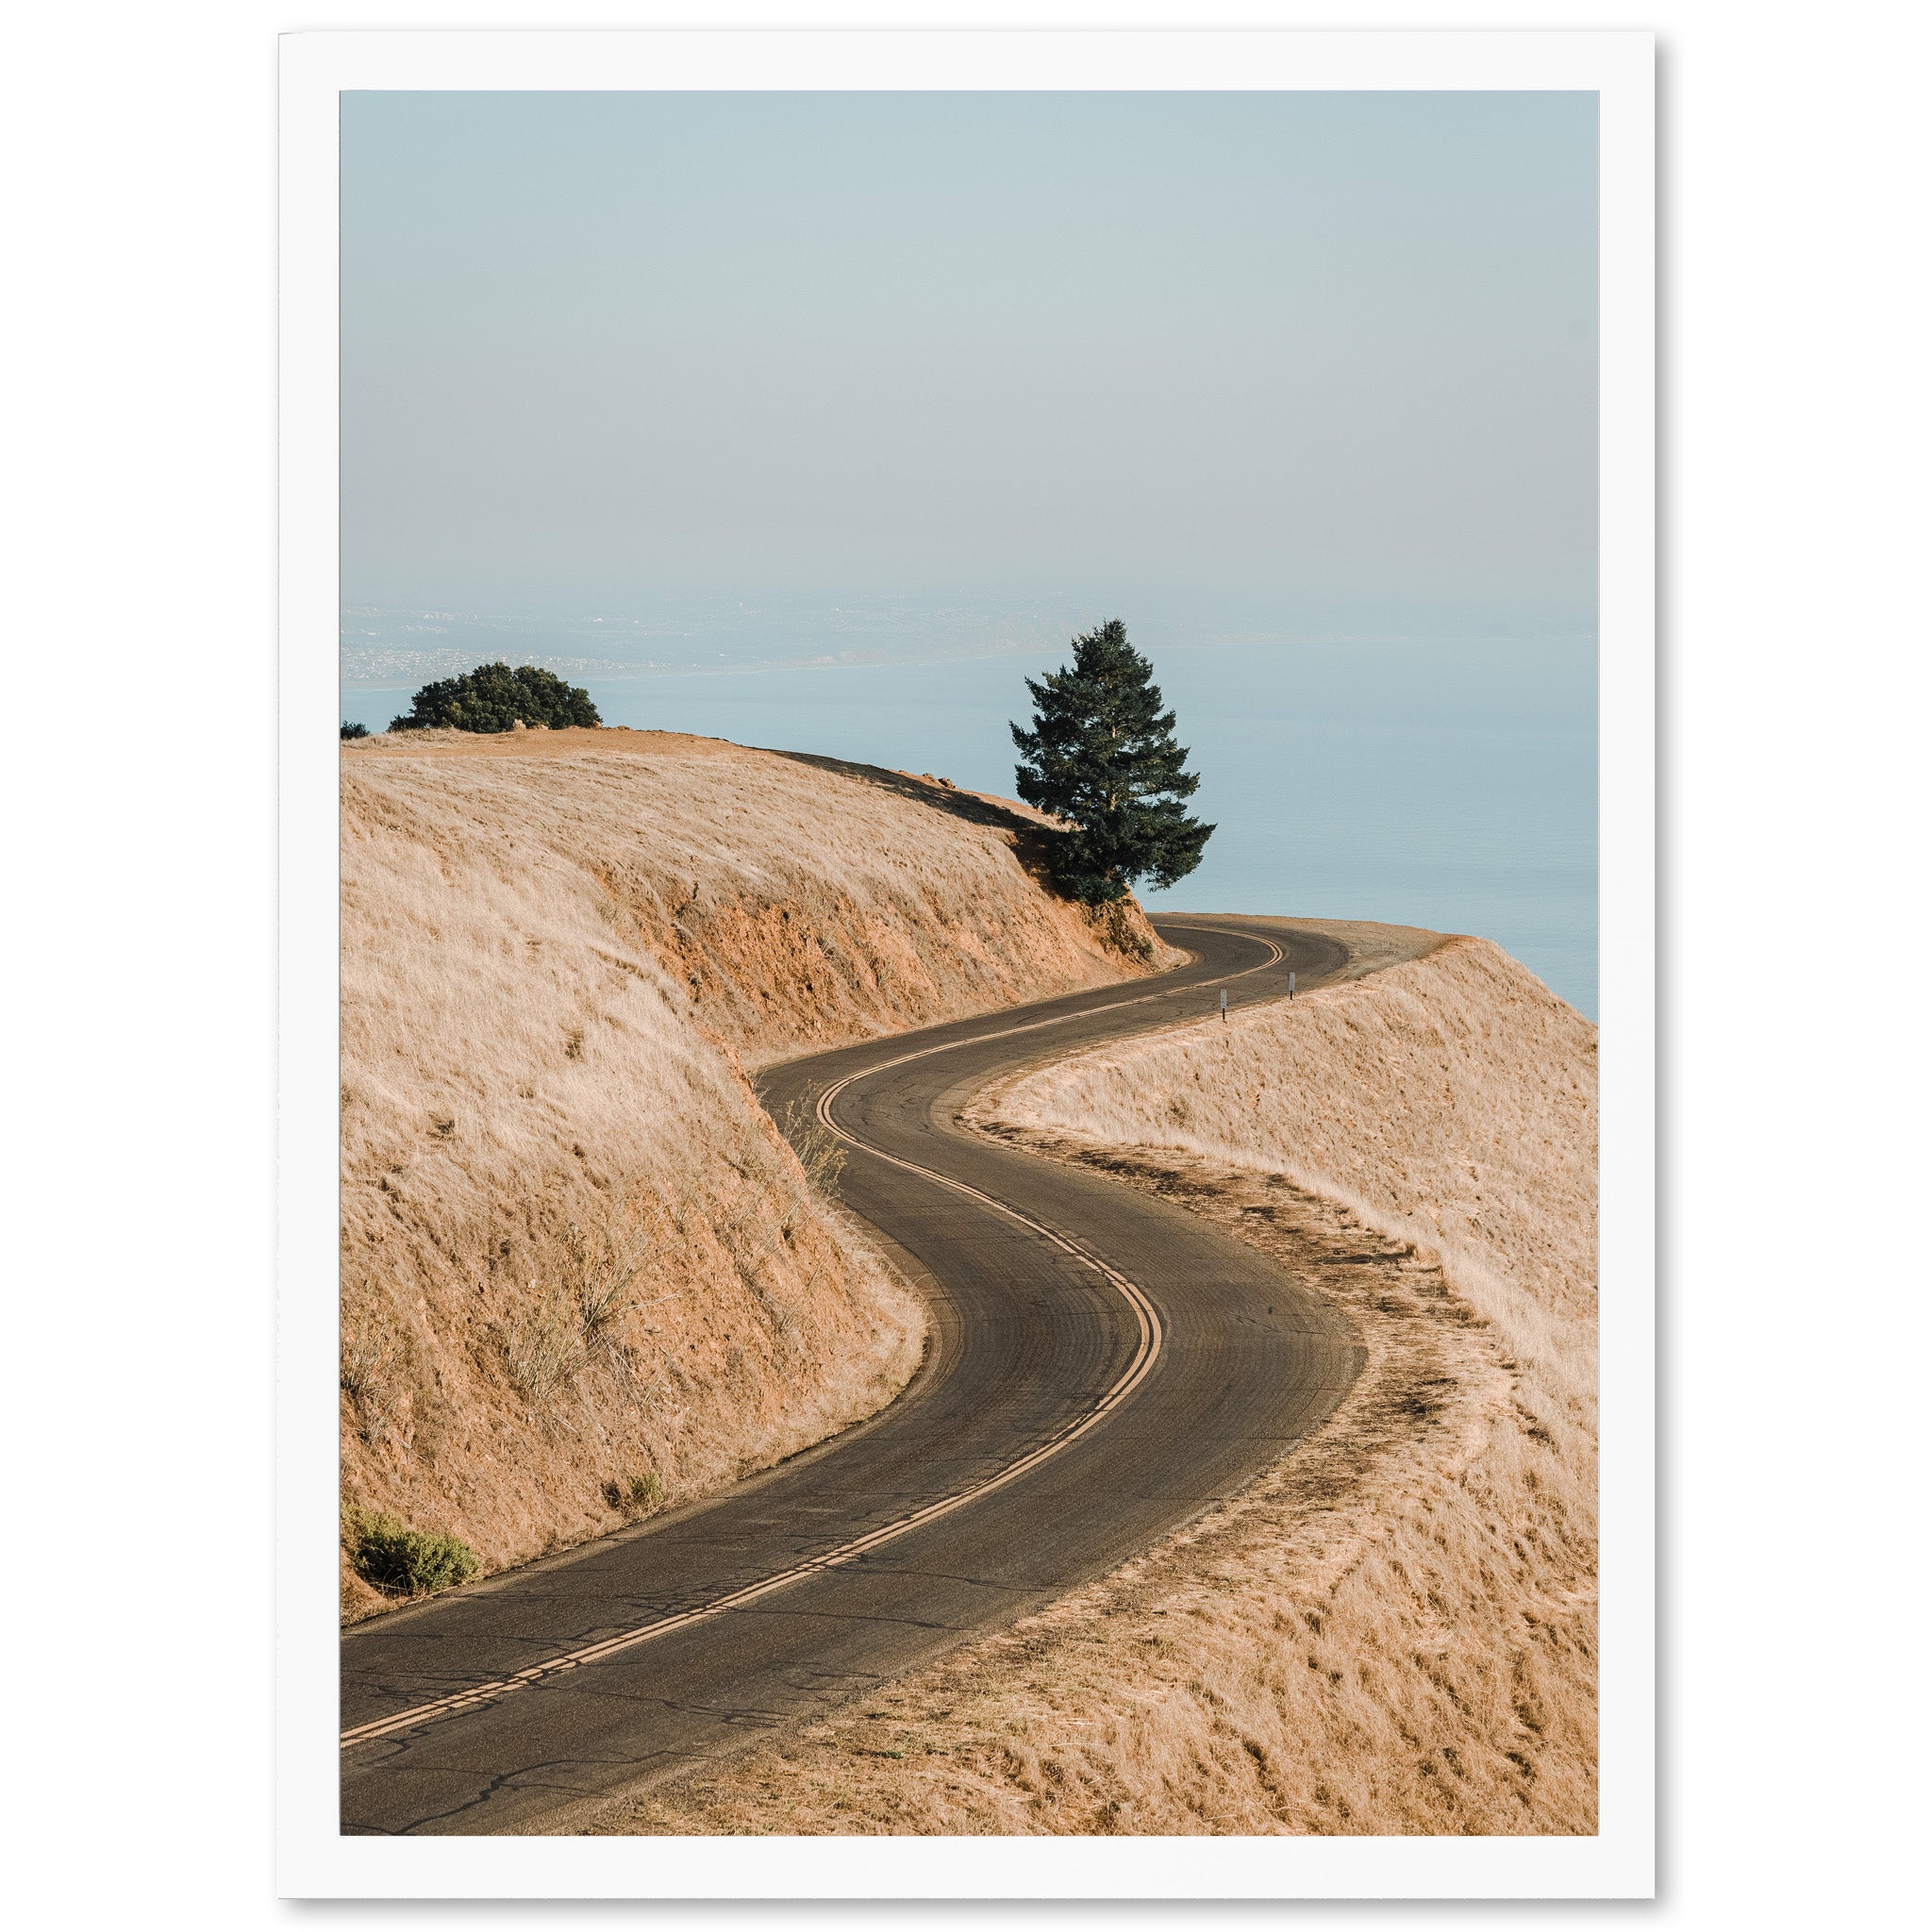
[1309, 352]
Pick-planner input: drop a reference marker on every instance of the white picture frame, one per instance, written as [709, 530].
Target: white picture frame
[315, 1859]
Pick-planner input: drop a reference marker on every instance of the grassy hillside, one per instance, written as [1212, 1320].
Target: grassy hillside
[1393, 1630]
[581, 1271]
[1451, 1100]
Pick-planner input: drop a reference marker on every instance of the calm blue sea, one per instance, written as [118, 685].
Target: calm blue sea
[1451, 785]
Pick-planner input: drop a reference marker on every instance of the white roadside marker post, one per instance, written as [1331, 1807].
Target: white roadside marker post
[1291, 982]
[1223, 1005]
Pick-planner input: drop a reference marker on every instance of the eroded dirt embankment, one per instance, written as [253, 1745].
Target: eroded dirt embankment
[1393, 1629]
[581, 1271]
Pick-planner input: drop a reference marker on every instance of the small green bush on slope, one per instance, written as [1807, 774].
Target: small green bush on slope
[405, 1561]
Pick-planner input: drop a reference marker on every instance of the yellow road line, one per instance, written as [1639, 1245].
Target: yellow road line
[1137, 1371]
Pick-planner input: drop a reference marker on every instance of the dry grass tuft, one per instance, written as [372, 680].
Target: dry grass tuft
[575, 1254]
[1393, 1630]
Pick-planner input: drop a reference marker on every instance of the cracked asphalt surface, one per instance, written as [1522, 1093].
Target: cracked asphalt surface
[1029, 1338]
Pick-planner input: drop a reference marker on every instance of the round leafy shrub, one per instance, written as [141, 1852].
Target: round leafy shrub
[354, 730]
[495, 697]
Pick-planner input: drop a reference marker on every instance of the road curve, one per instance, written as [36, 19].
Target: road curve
[1102, 1367]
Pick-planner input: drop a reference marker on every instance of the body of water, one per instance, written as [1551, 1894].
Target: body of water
[1451, 785]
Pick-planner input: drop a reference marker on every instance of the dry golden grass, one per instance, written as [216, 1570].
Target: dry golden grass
[575, 1254]
[799, 906]
[1393, 1630]
[1450, 1100]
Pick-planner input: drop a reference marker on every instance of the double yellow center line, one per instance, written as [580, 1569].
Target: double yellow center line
[1147, 1349]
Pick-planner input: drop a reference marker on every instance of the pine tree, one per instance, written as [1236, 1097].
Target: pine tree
[1102, 756]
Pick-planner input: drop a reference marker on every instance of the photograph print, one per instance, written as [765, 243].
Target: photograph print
[969, 963]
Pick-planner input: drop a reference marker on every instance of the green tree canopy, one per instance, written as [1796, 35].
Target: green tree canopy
[1102, 756]
[494, 697]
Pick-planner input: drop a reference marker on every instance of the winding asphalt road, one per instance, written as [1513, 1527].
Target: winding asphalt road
[1102, 1367]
